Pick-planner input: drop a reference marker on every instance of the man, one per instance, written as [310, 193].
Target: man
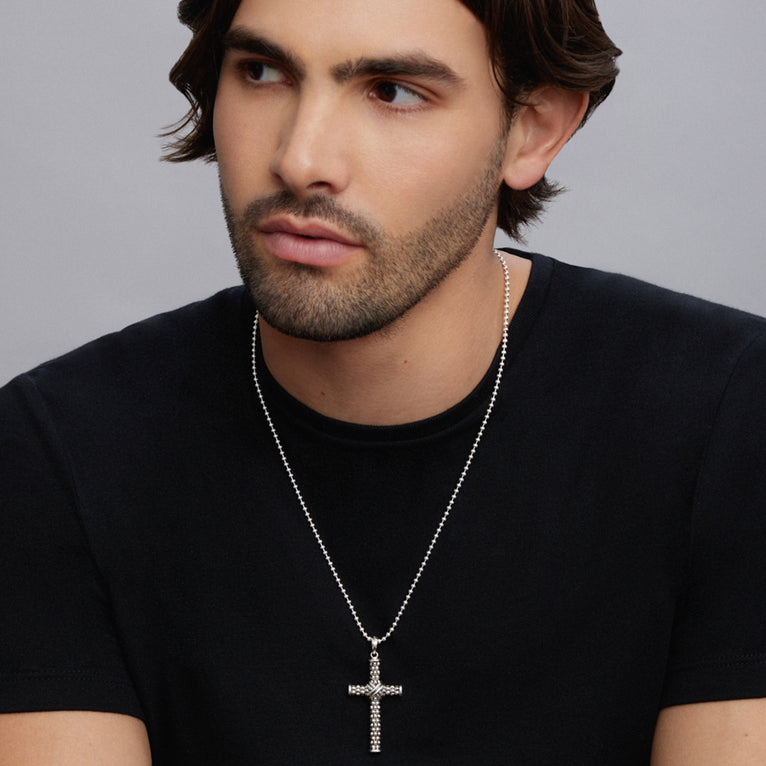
[514, 506]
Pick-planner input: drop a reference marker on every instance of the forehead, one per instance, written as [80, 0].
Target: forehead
[331, 31]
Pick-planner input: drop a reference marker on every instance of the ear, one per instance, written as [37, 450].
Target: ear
[538, 133]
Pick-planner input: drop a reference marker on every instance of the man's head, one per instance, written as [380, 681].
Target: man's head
[362, 148]
[532, 43]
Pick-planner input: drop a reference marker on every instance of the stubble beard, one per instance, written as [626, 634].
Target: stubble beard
[304, 302]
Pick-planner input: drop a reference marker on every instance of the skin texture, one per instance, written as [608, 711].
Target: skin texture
[73, 738]
[712, 734]
[339, 140]
[301, 301]
[397, 166]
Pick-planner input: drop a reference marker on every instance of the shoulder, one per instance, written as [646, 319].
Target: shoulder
[194, 325]
[161, 348]
[635, 307]
[601, 318]
[134, 384]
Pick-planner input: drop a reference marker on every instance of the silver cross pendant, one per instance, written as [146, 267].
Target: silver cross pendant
[375, 690]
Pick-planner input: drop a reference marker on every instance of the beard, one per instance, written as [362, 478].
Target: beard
[305, 302]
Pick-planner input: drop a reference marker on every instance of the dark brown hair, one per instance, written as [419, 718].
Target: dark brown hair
[531, 42]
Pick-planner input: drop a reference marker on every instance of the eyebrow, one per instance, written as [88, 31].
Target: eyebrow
[405, 65]
[241, 39]
[416, 64]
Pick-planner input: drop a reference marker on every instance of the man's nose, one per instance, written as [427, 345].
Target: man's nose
[313, 151]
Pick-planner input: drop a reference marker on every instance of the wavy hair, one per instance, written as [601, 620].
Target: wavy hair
[532, 43]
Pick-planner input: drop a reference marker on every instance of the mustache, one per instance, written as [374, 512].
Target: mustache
[319, 207]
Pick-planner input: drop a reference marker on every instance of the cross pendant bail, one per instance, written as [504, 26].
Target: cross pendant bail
[375, 690]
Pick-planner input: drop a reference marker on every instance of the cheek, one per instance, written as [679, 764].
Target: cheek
[223, 126]
[241, 151]
[411, 182]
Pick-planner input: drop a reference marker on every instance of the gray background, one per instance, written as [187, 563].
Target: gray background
[665, 183]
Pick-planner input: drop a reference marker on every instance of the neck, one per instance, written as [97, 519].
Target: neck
[424, 363]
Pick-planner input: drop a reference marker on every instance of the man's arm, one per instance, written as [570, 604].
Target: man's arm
[711, 734]
[73, 738]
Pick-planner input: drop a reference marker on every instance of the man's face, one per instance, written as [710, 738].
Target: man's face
[360, 149]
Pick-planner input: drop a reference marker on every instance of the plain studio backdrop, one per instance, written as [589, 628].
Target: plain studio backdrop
[665, 183]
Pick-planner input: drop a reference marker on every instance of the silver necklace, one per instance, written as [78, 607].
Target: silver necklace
[374, 689]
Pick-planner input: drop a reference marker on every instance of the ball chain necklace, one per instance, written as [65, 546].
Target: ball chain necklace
[374, 688]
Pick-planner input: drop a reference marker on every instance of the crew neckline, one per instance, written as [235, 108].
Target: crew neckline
[286, 407]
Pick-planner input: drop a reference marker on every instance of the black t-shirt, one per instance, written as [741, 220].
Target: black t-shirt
[604, 557]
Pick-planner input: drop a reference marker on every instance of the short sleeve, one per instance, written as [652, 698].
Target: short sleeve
[58, 649]
[719, 641]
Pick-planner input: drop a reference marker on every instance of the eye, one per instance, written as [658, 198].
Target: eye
[259, 71]
[393, 93]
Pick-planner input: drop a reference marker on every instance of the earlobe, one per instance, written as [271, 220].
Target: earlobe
[538, 133]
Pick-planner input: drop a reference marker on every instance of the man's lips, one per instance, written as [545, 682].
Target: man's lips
[307, 242]
[305, 229]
